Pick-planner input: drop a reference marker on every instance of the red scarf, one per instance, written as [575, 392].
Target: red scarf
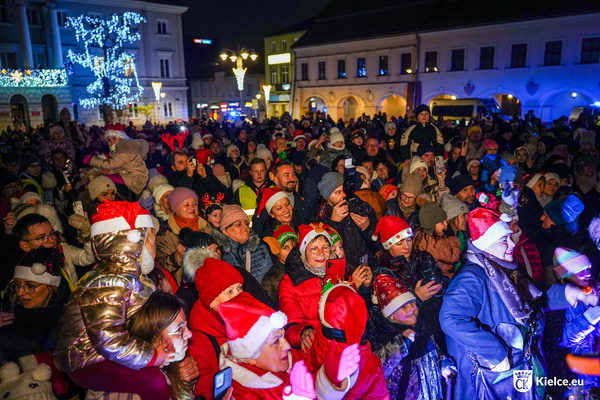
[191, 223]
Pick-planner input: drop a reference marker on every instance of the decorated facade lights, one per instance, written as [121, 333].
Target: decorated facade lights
[32, 77]
[239, 71]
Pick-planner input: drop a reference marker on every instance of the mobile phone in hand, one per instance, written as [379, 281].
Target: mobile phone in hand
[222, 382]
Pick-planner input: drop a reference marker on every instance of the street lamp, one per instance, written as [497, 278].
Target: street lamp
[156, 86]
[239, 71]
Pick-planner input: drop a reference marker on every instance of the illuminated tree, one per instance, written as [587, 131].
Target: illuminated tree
[117, 83]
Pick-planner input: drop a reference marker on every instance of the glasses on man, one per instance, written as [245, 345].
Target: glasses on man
[319, 250]
[45, 238]
[27, 287]
[180, 332]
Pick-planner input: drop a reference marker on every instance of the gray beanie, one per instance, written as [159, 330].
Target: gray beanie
[430, 215]
[453, 206]
[100, 184]
[329, 182]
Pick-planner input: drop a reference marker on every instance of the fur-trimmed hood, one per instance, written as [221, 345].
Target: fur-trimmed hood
[132, 146]
[194, 260]
[225, 242]
[159, 212]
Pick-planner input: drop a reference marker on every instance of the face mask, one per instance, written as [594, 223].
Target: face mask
[113, 147]
[146, 261]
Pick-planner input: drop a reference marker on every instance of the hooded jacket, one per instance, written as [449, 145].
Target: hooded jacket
[421, 133]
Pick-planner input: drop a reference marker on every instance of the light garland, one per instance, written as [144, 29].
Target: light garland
[239, 77]
[33, 77]
[110, 36]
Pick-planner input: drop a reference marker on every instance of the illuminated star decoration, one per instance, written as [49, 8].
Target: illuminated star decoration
[112, 86]
[17, 76]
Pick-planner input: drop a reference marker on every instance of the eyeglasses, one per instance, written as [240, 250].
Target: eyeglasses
[316, 250]
[407, 197]
[27, 287]
[44, 238]
[181, 330]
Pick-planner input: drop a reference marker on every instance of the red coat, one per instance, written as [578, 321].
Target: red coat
[527, 253]
[203, 322]
[370, 384]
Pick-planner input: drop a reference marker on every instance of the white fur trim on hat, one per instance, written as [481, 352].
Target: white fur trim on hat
[36, 274]
[274, 199]
[406, 233]
[120, 224]
[494, 233]
[247, 346]
[397, 303]
[115, 133]
[310, 236]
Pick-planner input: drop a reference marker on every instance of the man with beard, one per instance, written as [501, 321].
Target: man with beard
[462, 188]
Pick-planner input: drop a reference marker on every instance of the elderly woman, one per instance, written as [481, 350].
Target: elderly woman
[240, 247]
[169, 251]
[33, 305]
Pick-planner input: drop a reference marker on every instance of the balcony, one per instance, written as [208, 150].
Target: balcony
[33, 77]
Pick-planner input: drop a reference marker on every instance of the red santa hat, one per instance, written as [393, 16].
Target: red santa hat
[248, 324]
[269, 198]
[342, 308]
[117, 130]
[115, 216]
[309, 232]
[390, 294]
[299, 135]
[391, 230]
[487, 226]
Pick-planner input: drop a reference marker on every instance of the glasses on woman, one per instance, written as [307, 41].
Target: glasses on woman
[27, 287]
[319, 250]
[45, 238]
[180, 332]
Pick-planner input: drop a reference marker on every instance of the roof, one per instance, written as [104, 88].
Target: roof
[346, 20]
[300, 26]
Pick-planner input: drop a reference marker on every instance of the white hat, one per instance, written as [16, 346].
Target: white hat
[416, 162]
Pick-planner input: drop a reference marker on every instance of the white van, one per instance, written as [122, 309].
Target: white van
[465, 108]
[593, 110]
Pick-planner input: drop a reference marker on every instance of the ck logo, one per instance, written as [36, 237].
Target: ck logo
[523, 380]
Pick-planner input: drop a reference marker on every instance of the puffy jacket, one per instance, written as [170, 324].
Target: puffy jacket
[528, 257]
[299, 295]
[444, 249]
[128, 160]
[421, 133]
[94, 321]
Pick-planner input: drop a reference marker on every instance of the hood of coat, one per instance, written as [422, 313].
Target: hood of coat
[159, 212]
[295, 269]
[228, 244]
[132, 146]
[116, 250]
[194, 260]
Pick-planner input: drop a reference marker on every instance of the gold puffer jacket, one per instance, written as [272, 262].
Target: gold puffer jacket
[94, 321]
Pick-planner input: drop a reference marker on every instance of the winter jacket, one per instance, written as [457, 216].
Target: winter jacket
[167, 240]
[247, 194]
[370, 383]
[299, 295]
[421, 133]
[394, 209]
[310, 191]
[528, 257]
[530, 211]
[94, 321]
[264, 225]
[331, 154]
[394, 149]
[444, 249]
[128, 160]
[235, 169]
[358, 153]
[236, 254]
[480, 328]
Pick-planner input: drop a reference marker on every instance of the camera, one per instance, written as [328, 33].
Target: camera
[357, 206]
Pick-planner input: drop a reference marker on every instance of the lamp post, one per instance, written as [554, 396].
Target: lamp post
[239, 71]
[267, 90]
[156, 86]
[258, 106]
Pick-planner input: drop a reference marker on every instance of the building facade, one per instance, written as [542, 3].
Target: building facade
[547, 63]
[37, 80]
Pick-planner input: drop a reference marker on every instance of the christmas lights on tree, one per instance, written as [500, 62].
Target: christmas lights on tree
[117, 82]
[32, 77]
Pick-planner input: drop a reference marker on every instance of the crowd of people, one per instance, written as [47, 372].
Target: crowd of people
[380, 258]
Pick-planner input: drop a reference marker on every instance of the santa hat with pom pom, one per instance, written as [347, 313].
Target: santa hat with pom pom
[342, 308]
[116, 130]
[390, 294]
[391, 230]
[115, 216]
[487, 227]
[248, 324]
[42, 265]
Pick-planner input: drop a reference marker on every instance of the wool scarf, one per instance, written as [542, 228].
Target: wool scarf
[191, 223]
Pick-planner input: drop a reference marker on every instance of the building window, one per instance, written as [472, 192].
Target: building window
[130, 68]
[406, 63]
[285, 74]
[341, 69]
[553, 53]
[161, 27]
[518, 56]
[168, 109]
[361, 67]
[322, 70]
[33, 16]
[284, 46]
[486, 57]
[431, 61]
[94, 14]
[3, 13]
[274, 75]
[62, 16]
[273, 47]
[40, 60]
[304, 72]
[164, 68]
[249, 89]
[133, 110]
[457, 62]
[590, 50]
[383, 65]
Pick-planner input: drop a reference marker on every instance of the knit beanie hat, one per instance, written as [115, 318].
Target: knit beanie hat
[416, 162]
[6, 178]
[487, 227]
[281, 235]
[334, 138]
[248, 324]
[213, 278]
[387, 190]
[390, 294]
[453, 206]
[490, 144]
[424, 148]
[430, 215]
[262, 152]
[509, 157]
[459, 182]
[420, 108]
[51, 214]
[512, 173]
[33, 384]
[329, 183]
[178, 196]
[337, 304]
[231, 214]
[26, 159]
[309, 232]
[568, 262]
[333, 234]
[100, 184]
[197, 141]
[49, 180]
[160, 191]
[41, 265]
[472, 129]
[231, 148]
[413, 184]
[565, 212]
[191, 239]
[391, 230]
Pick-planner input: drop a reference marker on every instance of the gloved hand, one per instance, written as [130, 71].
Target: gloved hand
[302, 383]
[83, 226]
[592, 315]
[339, 366]
[573, 294]
[502, 367]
